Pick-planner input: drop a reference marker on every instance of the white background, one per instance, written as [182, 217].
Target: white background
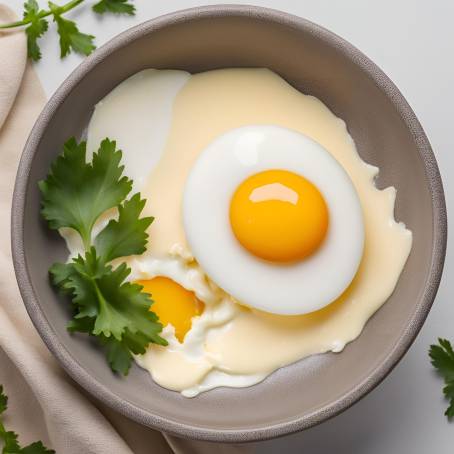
[413, 42]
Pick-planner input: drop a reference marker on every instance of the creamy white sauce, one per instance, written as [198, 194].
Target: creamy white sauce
[138, 115]
[226, 343]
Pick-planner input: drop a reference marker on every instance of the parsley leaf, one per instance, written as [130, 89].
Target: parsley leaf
[125, 307]
[127, 235]
[442, 358]
[109, 307]
[114, 6]
[10, 439]
[106, 305]
[36, 448]
[3, 401]
[448, 391]
[118, 355]
[70, 36]
[38, 26]
[76, 283]
[11, 444]
[76, 193]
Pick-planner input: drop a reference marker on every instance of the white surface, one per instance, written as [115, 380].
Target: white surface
[413, 42]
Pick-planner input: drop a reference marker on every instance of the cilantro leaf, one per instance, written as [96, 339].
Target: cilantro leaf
[118, 355]
[78, 285]
[81, 324]
[102, 292]
[448, 391]
[38, 26]
[70, 36]
[76, 193]
[36, 448]
[125, 236]
[11, 444]
[3, 401]
[114, 6]
[442, 358]
[10, 439]
[125, 307]
[108, 307]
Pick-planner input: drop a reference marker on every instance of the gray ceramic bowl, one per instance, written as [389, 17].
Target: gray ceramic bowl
[387, 134]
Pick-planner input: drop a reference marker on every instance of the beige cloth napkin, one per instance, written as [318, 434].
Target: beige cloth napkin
[45, 404]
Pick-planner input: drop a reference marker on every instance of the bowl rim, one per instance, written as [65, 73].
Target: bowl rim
[141, 415]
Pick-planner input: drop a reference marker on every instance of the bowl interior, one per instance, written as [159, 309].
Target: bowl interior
[317, 63]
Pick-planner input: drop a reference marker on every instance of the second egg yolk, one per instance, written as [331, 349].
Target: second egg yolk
[279, 216]
[172, 304]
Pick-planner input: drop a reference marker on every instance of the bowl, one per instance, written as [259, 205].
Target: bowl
[387, 135]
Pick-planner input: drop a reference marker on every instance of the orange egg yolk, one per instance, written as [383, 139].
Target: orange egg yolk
[173, 304]
[279, 216]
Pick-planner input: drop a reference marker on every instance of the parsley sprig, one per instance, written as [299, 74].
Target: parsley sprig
[71, 38]
[106, 306]
[114, 6]
[442, 358]
[10, 438]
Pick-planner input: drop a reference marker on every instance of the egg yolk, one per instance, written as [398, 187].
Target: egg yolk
[172, 304]
[279, 216]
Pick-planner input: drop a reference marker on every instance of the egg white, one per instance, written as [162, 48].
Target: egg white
[290, 289]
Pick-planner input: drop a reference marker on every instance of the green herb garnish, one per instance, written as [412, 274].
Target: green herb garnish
[71, 39]
[442, 358]
[106, 306]
[114, 6]
[10, 439]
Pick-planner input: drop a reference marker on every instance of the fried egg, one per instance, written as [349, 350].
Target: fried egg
[235, 164]
[297, 232]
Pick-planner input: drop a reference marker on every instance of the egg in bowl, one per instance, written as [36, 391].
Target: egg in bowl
[238, 167]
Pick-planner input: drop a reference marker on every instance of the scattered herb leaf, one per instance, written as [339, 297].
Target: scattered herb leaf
[38, 26]
[71, 39]
[442, 358]
[76, 193]
[114, 6]
[106, 306]
[125, 236]
[36, 448]
[70, 36]
[10, 439]
[3, 401]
